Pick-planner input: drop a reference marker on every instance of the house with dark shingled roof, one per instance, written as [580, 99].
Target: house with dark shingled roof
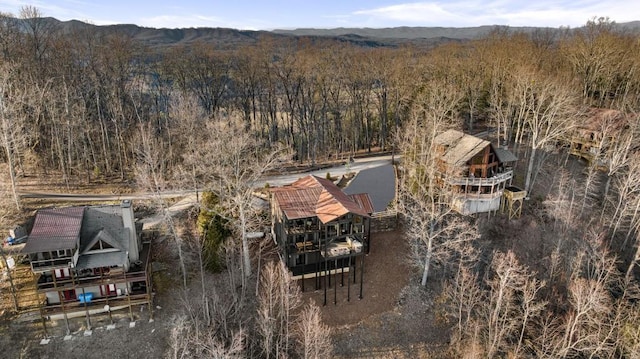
[88, 259]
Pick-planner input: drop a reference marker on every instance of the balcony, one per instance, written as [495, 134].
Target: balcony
[342, 248]
[116, 275]
[301, 228]
[76, 308]
[476, 203]
[47, 265]
[479, 181]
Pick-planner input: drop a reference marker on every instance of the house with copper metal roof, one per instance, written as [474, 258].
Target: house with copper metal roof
[88, 258]
[319, 229]
[474, 173]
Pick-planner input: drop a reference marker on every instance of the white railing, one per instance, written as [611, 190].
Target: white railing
[476, 196]
[385, 214]
[479, 181]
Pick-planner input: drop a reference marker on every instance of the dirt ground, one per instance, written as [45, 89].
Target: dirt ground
[394, 319]
[388, 322]
[146, 339]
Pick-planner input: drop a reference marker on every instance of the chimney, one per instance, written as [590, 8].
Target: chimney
[129, 223]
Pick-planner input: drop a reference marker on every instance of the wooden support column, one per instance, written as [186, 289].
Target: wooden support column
[44, 322]
[317, 276]
[86, 309]
[325, 283]
[129, 296]
[335, 284]
[355, 266]
[369, 233]
[61, 299]
[147, 274]
[361, 274]
[349, 281]
[325, 272]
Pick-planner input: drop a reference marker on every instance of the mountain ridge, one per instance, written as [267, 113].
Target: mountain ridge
[365, 37]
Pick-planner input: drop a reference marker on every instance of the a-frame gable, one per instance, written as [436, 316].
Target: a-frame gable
[100, 244]
[106, 238]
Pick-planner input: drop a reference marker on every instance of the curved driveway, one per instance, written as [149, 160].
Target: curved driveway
[379, 182]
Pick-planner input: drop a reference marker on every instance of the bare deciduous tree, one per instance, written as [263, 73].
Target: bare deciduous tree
[550, 114]
[313, 336]
[231, 162]
[278, 298]
[152, 176]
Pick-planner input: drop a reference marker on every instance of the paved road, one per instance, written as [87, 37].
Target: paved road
[379, 182]
[279, 180]
[189, 198]
[358, 165]
[83, 197]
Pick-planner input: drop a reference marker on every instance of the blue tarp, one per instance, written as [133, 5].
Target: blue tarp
[85, 298]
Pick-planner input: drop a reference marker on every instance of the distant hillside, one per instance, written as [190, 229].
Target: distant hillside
[408, 33]
[221, 37]
[365, 37]
[413, 33]
[229, 38]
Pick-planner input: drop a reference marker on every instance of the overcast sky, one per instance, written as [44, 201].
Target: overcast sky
[268, 15]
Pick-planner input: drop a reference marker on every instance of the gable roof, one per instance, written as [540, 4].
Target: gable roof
[312, 196]
[99, 224]
[364, 201]
[55, 229]
[459, 147]
[504, 155]
[64, 228]
[105, 236]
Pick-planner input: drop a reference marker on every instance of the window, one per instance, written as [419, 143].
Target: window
[62, 273]
[300, 260]
[101, 270]
[101, 245]
[108, 290]
[62, 253]
[69, 294]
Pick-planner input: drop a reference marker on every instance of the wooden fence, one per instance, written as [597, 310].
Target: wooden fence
[384, 221]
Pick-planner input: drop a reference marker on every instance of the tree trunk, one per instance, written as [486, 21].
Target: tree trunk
[633, 262]
[527, 183]
[10, 277]
[12, 173]
[245, 245]
[427, 260]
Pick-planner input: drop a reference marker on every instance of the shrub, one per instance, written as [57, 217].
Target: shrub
[214, 230]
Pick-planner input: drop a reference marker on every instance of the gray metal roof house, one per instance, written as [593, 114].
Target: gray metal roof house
[87, 258]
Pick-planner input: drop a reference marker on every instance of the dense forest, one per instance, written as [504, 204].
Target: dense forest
[76, 102]
[86, 106]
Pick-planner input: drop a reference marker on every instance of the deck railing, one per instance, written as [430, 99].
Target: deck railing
[85, 281]
[45, 265]
[479, 181]
[477, 196]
